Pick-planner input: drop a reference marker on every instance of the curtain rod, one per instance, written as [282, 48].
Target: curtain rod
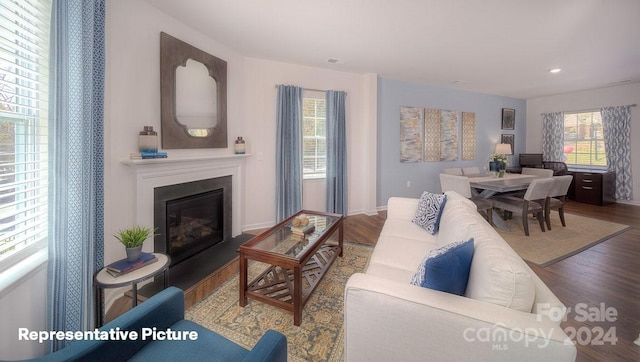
[307, 89]
[588, 110]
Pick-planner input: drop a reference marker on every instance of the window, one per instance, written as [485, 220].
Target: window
[314, 149]
[584, 140]
[24, 82]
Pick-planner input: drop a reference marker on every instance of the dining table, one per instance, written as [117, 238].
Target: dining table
[488, 186]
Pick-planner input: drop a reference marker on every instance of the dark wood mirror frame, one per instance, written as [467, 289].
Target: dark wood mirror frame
[174, 53]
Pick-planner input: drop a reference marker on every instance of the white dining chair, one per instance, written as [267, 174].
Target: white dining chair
[556, 198]
[541, 172]
[460, 184]
[471, 171]
[453, 171]
[533, 202]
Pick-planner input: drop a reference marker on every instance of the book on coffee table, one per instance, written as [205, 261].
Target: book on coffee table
[303, 230]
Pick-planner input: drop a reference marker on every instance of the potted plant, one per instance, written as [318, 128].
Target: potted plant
[132, 239]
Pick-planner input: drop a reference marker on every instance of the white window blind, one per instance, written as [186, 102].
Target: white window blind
[314, 147]
[24, 86]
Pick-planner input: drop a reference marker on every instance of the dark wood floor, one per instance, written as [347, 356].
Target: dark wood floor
[606, 273]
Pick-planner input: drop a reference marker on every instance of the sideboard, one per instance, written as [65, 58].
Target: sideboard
[593, 187]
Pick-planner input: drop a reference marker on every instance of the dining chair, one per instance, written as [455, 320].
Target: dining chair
[541, 172]
[453, 171]
[473, 171]
[533, 202]
[460, 184]
[556, 198]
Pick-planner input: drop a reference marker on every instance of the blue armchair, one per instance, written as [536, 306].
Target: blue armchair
[165, 311]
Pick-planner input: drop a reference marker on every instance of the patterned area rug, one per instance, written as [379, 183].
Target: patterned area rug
[551, 246]
[320, 335]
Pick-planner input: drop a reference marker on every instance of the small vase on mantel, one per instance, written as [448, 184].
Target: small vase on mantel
[148, 140]
[239, 146]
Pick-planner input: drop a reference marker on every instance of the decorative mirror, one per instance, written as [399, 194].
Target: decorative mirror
[193, 91]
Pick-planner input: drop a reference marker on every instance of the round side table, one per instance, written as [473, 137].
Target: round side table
[105, 280]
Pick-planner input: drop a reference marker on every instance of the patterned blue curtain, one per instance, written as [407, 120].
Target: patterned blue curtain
[288, 151]
[616, 124]
[336, 153]
[553, 136]
[76, 231]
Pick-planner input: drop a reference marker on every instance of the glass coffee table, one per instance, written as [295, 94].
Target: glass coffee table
[296, 262]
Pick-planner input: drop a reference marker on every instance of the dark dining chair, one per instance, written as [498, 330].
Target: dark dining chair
[533, 202]
[556, 198]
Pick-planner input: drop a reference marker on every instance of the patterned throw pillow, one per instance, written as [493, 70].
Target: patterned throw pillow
[429, 211]
[447, 268]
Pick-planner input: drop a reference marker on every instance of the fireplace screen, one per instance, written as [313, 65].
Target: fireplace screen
[194, 223]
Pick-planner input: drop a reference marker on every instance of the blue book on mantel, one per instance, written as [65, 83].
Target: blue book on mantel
[147, 155]
[123, 266]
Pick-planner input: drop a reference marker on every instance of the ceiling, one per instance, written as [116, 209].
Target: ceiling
[501, 47]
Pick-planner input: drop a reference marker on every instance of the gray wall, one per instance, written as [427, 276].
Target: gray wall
[392, 176]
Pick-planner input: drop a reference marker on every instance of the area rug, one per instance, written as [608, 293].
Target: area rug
[551, 246]
[320, 335]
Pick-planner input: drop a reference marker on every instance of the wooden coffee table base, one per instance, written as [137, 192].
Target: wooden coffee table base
[289, 289]
[297, 262]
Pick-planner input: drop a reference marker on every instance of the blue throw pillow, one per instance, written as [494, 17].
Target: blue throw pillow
[447, 268]
[429, 211]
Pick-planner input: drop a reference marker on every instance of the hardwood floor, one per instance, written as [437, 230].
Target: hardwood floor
[607, 273]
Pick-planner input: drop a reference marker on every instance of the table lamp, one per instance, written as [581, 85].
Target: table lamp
[503, 149]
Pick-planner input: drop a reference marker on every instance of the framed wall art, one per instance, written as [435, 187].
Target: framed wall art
[508, 118]
[509, 139]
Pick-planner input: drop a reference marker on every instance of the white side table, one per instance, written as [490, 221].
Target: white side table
[105, 280]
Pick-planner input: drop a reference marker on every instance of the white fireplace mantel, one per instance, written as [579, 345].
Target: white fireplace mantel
[152, 173]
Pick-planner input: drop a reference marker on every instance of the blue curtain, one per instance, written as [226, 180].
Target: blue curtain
[336, 153]
[76, 230]
[616, 123]
[288, 151]
[553, 136]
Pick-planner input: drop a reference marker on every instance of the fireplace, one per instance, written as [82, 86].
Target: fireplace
[192, 217]
[178, 178]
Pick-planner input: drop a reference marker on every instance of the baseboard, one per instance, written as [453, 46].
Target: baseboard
[628, 202]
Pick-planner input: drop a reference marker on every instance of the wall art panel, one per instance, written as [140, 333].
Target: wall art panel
[432, 125]
[411, 130]
[449, 136]
[468, 136]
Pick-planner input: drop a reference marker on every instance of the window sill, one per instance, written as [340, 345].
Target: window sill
[314, 178]
[22, 269]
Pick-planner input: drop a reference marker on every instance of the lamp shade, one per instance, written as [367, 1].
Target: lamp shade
[503, 149]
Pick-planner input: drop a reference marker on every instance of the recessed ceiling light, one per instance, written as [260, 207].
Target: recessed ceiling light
[555, 70]
[334, 61]
[459, 81]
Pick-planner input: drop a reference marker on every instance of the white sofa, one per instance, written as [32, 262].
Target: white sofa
[506, 314]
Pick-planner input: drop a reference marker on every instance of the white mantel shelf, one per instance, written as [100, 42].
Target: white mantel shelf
[155, 161]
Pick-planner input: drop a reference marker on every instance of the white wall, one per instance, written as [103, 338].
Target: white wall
[23, 306]
[261, 77]
[588, 100]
